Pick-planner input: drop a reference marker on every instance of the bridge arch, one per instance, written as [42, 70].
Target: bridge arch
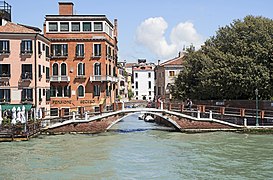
[169, 120]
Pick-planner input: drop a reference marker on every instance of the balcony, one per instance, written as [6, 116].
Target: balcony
[27, 100]
[59, 56]
[59, 79]
[103, 78]
[26, 53]
[5, 76]
[26, 76]
[4, 53]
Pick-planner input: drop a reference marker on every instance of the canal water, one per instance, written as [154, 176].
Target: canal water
[134, 151]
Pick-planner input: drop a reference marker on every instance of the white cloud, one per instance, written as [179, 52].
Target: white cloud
[151, 34]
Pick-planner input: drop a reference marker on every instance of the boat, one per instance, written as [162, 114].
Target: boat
[141, 117]
[149, 118]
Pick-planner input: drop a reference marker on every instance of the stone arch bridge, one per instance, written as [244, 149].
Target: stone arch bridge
[184, 121]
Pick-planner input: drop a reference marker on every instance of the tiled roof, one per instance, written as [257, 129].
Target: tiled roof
[174, 61]
[10, 27]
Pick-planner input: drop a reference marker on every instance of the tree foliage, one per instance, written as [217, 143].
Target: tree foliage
[231, 64]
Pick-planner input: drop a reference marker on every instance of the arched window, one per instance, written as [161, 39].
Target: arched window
[81, 69]
[97, 69]
[80, 91]
[55, 69]
[63, 69]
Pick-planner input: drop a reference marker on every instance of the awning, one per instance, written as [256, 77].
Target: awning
[10, 106]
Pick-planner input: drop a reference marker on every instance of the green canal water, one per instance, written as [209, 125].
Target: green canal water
[132, 151]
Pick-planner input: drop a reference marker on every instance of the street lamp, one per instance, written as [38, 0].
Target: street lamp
[257, 93]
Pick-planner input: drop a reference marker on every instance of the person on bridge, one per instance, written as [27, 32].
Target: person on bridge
[189, 104]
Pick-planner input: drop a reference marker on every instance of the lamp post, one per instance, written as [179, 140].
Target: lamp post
[257, 93]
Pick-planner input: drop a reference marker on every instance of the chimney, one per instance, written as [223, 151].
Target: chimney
[66, 8]
[115, 28]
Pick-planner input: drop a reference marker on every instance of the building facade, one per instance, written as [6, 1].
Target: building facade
[24, 65]
[165, 74]
[143, 80]
[83, 62]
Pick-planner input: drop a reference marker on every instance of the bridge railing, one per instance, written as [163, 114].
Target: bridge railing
[227, 114]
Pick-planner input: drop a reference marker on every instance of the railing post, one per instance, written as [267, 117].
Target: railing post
[210, 114]
[170, 106]
[245, 122]
[198, 114]
[222, 110]
[101, 108]
[122, 105]
[181, 107]
[161, 105]
[74, 116]
[242, 112]
[114, 106]
[85, 116]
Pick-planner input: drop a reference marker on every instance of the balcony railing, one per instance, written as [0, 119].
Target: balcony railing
[27, 99]
[26, 76]
[5, 76]
[26, 52]
[59, 55]
[4, 52]
[103, 78]
[59, 79]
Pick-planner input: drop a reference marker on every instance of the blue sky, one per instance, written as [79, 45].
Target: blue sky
[151, 29]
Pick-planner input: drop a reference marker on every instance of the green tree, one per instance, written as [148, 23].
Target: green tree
[231, 64]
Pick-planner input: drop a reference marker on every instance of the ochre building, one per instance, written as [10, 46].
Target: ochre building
[83, 64]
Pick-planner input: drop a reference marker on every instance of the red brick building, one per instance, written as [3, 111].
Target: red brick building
[83, 73]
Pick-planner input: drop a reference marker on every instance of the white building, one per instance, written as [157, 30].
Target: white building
[143, 78]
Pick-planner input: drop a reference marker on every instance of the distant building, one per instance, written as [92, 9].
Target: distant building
[122, 82]
[165, 74]
[83, 74]
[143, 80]
[24, 67]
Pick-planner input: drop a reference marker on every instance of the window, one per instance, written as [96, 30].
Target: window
[107, 90]
[59, 91]
[97, 50]
[40, 71]
[26, 46]
[136, 85]
[55, 69]
[4, 95]
[80, 50]
[4, 70]
[53, 91]
[47, 95]
[54, 111]
[97, 69]
[59, 49]
[47, 51]
[67, 91]
[64, 26]
[39, 48]
[27, 95]
[43, 47]
[80, 91]
[81, 69]
[110, 70]
[43, 69]
[40, 94]
[96, 90]
[86, 26]
[75, 26]
[26, 71]
[44, 92]
[63, 69]
[47, 73]
[149, 75]
[136, 93]
[150, 93]
[97, 26]
[53, 26]
[171, 73]
[149, 84]
[4, 47]
[136, 75]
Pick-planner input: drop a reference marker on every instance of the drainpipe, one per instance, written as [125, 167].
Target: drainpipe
[35, 78]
